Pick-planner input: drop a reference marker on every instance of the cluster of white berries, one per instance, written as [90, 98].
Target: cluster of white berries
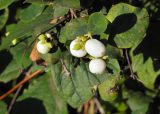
[86, 44]
[43, 46]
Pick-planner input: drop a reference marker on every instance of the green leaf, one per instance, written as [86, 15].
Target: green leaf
[31, 12]
[5, 3]
[3, 108]
[121, 106]
[21, 53]
[75, 84]
[3, 17]
[16, 62]
[129, 24]
[40, 98]
[24, 30]
[113, 65]
[108, 89]
[52, 58]
[38, 25]
[113, 52]
[42, 2]
[12, 71]
[138, 103]
[72, 29]
[145, 70]
[63, 3]
[104, 36]
[7, 65]
[97, 23]
[60, 11]
[69, 3]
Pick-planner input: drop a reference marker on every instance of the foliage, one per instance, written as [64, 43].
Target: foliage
[130, 83]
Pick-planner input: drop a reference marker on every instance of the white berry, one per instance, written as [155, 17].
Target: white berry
[77, 53]
[42, 48]
[95, 48]
[97, 66]
[48, 35]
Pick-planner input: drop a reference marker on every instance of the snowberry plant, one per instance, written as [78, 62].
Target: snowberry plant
[63, 55]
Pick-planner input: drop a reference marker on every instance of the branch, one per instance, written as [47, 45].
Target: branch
[20, 83]
[65, 70]
[86, 108]
[14, 99]
[99, 106]
[73, 14]
[129, 64]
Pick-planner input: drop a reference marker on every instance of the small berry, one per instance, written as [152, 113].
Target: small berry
[95, 48]
[14, 41]
[76, 50]
[97, 66]
[48, 35]
[43, 48]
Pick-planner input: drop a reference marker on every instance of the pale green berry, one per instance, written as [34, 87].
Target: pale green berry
[42, 37]
[14, 41]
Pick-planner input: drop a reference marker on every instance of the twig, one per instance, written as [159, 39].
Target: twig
[65, 70]
[61, 20]
[129, 64]
[86, 108]
[20, 83]
[101, 110]
[14, 99]
[73, 13]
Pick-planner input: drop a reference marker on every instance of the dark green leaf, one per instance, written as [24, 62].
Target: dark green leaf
[138, 103]
[113, 52]
[3, 108]
[30, 13]
[75, 84]
[21, 53]
[43, 2]
[40, 98]
[12, 71]
[3, 17]
[23, 30]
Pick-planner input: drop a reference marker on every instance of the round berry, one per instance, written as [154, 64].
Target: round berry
[77, 52]
[97, 66]
[43, 48]
[48, 35]
[95, 48]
